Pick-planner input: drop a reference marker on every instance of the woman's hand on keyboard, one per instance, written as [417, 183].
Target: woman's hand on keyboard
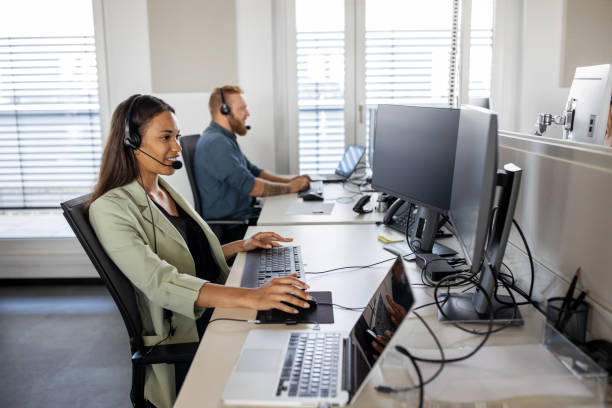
[273, 293]
[264, 240]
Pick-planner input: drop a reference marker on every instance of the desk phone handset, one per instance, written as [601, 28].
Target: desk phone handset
[398, 210]
[358, 207]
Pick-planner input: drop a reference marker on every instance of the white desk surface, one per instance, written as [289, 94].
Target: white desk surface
[343, 197]
[326, 247]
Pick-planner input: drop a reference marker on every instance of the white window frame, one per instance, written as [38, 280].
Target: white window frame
[286, 103]
[103, 94]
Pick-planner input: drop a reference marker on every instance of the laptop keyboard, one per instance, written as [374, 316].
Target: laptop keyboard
[278, 262]
[311, 366]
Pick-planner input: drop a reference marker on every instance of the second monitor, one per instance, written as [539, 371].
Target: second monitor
[414, 155]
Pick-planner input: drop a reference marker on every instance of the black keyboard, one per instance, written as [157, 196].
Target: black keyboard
[279, 262]
[311, 366]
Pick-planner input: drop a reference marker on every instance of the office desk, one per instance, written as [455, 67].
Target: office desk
[326, 247]
[274, 211]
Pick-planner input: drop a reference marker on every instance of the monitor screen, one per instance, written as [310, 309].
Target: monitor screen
[414, 153]
[474, 181]
[349, 161]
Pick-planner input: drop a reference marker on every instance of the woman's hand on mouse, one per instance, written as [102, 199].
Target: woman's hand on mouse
[265, 240]
[278, 290]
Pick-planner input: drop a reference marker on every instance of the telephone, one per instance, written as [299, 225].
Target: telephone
[401, 213]
[358, 208]
[398, 215]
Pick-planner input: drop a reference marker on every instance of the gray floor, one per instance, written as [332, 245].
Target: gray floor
[62, 346]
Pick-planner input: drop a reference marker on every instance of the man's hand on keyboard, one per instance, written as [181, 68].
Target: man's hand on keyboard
[278, 290]
[298, 183]
[264, 240]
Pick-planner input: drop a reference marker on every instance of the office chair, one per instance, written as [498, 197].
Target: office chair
[122, 292]
[219, 227]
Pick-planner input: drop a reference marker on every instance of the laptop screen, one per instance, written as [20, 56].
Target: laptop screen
[349, 161]
[388, 306]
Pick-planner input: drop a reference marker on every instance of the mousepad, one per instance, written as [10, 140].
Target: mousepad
[323, 313]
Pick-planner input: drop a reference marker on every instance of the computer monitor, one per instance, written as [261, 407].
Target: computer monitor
[414, 153]
[474, 182]
[413, 160]
[478, 187]
[589, 102]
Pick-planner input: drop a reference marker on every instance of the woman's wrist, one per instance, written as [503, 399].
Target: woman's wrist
[233, 248]
[247, 298]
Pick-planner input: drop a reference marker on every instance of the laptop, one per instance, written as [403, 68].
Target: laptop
[262, 265]
[346, 167]
[310, 368]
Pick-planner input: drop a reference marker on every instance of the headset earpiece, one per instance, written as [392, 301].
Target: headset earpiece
[130, 139]
[225, 110]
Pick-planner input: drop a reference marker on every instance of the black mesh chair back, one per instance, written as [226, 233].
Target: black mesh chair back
[118, 285]
[226, 230]
[122, 292]
[188, 144]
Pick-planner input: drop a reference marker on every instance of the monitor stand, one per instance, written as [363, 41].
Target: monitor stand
[429, 253]
[458, 308]
[442, 250]
[474, 307]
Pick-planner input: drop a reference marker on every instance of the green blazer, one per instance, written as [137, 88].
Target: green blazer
[166, 280]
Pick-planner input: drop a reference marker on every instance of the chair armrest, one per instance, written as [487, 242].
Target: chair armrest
[167, 353]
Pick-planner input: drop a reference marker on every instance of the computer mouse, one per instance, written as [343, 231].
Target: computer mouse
[312, 197]
[312, 302]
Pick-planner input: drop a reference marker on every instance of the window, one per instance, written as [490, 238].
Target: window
[404, 52]
[481, 48]
[320, 78]
[50, 142]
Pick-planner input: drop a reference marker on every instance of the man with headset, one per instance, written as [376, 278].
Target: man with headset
[227, 181]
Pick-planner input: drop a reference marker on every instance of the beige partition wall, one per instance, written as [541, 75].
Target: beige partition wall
[193, 45]
[587, 31]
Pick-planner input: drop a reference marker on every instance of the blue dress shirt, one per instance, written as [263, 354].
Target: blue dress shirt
[223, 174]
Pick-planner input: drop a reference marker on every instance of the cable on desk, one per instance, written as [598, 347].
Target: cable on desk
[530, 258]
[388, 390]
[358, 309]
[518, 290]
[438, 371]
[350, 267]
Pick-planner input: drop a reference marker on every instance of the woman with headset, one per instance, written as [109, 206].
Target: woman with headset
[166, 250]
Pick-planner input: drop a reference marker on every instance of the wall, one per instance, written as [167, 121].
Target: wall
[527, 56]
[587, 30]
[125, 29]
[563, 209]
[530, 56]
[193, 44]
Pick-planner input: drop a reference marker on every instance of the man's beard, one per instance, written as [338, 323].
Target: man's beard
[237, 126]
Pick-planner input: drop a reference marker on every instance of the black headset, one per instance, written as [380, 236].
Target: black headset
[225, 110]
[131, 139]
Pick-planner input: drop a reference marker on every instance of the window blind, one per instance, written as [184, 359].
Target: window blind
[320, 70]
[50, 142]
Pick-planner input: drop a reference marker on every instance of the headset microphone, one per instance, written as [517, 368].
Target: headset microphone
[248, 127]
[177, 164]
